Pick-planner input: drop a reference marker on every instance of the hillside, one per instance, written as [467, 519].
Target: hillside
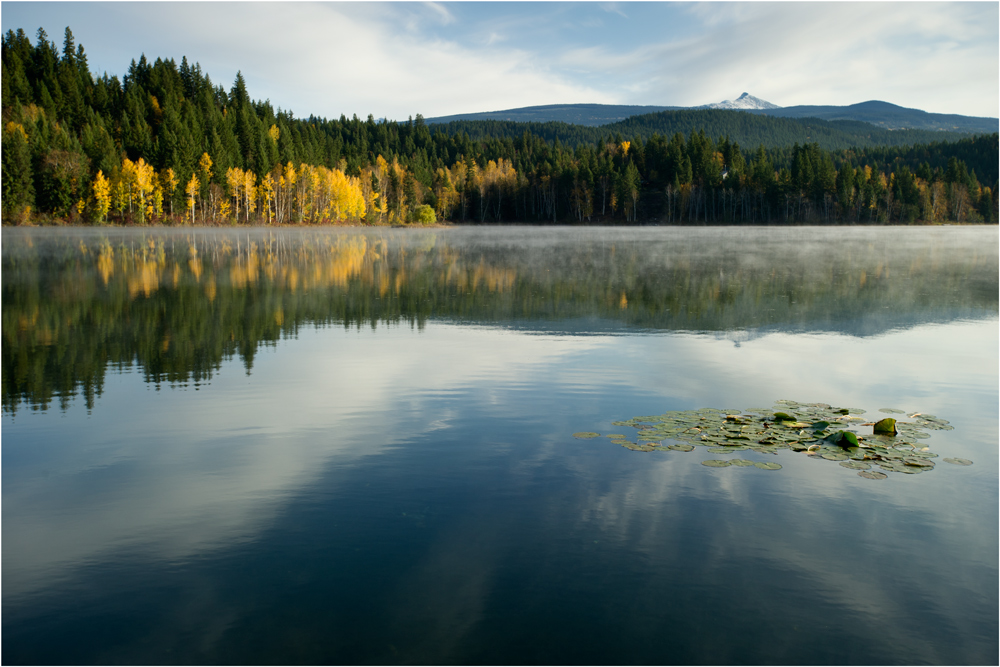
[588, 115]
[163, 144]
[889, 116]
[746, 129]
[881, 114]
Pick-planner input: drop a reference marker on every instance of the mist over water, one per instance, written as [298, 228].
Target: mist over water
[355, 445]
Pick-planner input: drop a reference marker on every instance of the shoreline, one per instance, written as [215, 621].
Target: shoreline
[457, 225]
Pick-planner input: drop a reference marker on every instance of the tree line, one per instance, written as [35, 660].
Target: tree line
[177, 303]
[164, 144]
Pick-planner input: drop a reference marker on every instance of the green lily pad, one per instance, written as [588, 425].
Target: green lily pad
[917, 461]
[924, 455]
[885, 426]
[843, 438]
[767, 466]
[715, 463]
[958, 462]
[822, 431]
[871, 474]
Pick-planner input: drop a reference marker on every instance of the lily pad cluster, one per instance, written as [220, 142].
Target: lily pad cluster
[821, 431]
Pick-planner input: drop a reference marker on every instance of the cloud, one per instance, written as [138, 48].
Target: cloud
[397, 59]
[442, 12]
[345, 59]
[838, 54]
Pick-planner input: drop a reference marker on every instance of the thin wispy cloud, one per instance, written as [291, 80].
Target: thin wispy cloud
[398, 59]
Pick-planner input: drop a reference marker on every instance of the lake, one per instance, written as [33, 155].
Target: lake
[357, 446]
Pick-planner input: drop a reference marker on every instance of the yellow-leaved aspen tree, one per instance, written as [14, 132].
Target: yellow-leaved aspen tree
[157, 200]
[192, 192]
[250, 192]
[102, 196]
[143, 187]
[169, 183]
[127, 177]
[205, 175]
[120, 194]
[290, 177]
[267, 193]
[234, 179]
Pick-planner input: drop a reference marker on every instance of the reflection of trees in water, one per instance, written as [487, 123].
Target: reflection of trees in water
[177, 305]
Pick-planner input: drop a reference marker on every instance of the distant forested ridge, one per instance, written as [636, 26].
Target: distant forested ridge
[163, 144]
[747, 128]
[882, 115]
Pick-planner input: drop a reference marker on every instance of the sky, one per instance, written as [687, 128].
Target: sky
[395, 60]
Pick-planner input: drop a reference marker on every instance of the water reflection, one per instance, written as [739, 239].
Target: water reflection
[384, 473]
[178, 303]
[230, 454]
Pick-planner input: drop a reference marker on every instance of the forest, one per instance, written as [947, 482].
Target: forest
[164, 145]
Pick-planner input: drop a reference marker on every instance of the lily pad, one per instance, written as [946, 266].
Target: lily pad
[715, 463]
[958, 462]
[843, 438]
[885, 426]
[767, 466]
[870, 474]
[823, 431]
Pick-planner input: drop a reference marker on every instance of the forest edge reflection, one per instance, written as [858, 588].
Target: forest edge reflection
[178, 303]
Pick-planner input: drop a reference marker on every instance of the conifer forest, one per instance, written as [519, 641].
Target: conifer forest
[163, 144]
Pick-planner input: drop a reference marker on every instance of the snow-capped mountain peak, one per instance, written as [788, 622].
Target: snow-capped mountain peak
[744, 101]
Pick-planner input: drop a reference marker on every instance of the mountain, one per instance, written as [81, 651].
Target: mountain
[588, 115]
[744, 102]
[882, 115]
[888, 116]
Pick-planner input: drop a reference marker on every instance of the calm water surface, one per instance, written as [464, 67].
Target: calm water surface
[356, 447]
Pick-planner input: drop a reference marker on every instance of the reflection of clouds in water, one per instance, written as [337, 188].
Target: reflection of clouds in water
[872, 548]
[833, 540]
[328, 398]
[443, 597]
